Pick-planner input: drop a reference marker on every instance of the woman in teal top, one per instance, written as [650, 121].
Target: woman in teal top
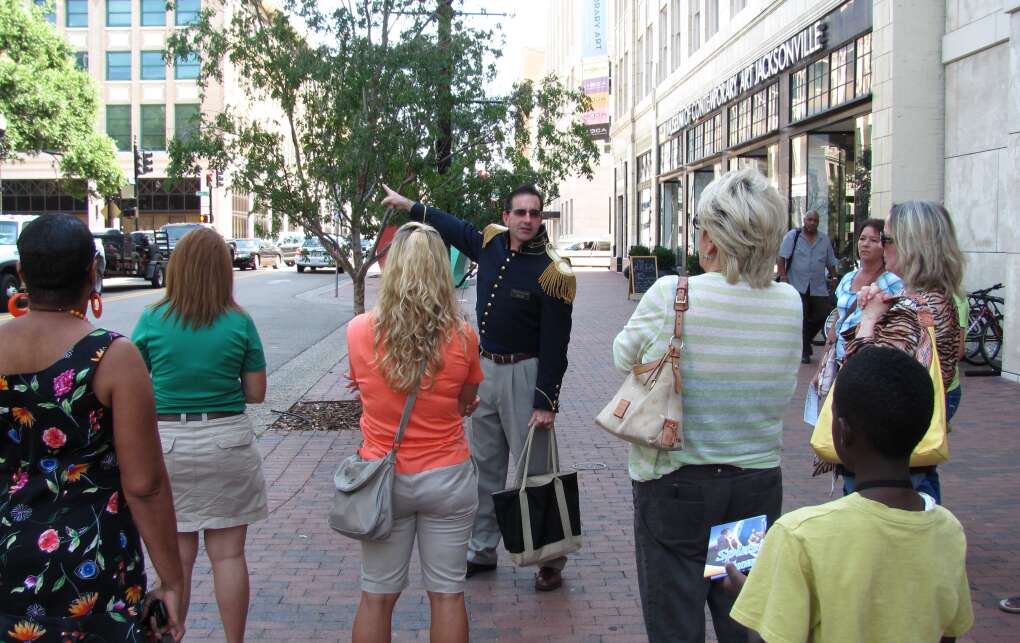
[872, 271]
[207, 363]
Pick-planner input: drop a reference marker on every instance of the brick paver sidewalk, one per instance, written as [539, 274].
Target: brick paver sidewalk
[305, 577]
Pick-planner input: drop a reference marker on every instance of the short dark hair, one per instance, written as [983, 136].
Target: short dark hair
[878, 225]
[527, 188]
[886, 394]
[56, 251]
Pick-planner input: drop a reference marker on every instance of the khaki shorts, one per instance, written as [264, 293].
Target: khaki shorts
[215, 472]
[438, 507]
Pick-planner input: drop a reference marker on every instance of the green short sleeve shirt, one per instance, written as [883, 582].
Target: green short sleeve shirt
[198, 371]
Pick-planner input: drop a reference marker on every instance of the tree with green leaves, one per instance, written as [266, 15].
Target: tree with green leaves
[51, 106]
[355, 104]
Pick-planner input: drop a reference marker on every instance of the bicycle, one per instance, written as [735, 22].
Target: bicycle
[984, 327]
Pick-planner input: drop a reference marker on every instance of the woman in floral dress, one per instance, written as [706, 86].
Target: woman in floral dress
[82, 481]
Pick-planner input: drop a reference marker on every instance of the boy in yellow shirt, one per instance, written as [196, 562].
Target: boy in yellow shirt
[882, 564]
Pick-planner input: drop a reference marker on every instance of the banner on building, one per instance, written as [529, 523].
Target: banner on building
[595, 83]
[593, 29]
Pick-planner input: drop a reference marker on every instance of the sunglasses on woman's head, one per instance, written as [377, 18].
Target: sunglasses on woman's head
[887, 240]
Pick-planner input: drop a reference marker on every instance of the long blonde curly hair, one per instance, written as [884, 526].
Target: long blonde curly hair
[417, 312]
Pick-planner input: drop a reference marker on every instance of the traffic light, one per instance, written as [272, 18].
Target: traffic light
[210, 179]
[139, 165]
[143, 160]
[203, 218]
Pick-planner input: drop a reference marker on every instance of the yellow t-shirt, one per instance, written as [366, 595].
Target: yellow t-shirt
[855, 570]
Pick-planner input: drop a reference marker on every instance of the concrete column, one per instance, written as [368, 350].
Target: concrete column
[1009, 233]
[908, 104]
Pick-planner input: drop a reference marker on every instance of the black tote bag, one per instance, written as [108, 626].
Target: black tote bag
[539, 519]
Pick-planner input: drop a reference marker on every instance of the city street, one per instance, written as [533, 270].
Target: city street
[276, 300]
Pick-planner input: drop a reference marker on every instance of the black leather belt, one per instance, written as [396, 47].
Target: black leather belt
[195, 417]
[505, 358]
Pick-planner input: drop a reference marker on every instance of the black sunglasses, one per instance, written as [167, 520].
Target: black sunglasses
[522, 211]
[887, 240]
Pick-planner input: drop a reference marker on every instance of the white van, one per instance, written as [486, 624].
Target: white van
[595, 252]
[10, 227]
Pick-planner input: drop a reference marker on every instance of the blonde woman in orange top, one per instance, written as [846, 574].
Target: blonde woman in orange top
[417, 327]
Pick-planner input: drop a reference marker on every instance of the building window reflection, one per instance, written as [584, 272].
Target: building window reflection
[863, 68]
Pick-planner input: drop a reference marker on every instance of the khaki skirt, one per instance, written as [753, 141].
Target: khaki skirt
[215, 472]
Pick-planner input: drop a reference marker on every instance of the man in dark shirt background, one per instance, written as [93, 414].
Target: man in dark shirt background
[525, 300]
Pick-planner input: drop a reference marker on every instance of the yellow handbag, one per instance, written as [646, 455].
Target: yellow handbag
[934, 446]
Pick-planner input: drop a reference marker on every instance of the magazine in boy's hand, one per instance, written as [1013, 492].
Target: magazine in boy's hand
[735, 542]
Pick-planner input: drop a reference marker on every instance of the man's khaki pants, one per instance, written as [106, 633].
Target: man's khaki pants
[499, 429]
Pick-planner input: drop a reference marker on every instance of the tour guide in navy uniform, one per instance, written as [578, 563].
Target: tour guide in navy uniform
[525, 299]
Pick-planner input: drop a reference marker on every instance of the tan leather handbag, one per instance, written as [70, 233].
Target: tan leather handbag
[647, 410]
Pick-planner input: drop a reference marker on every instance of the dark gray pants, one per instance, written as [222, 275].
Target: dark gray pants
[816, 309]
[499, 429]
[672, 519]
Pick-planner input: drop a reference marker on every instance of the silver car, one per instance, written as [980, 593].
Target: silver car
[313, 255]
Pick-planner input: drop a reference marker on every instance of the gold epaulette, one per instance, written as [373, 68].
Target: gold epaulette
[558, 279]
[492, 231]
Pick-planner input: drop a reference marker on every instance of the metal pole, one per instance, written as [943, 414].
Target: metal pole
[3, 143]
[336, 282]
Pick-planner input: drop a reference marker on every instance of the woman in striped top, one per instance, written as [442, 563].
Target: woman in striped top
[742, 341]
[920, 246]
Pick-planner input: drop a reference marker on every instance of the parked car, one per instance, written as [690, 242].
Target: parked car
[585, 251]
[10, 228]
[256, 253]
[290, 245]
[313, 255]
[140, 254]
[174, 231]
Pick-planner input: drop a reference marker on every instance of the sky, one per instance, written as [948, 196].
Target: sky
[523, 28]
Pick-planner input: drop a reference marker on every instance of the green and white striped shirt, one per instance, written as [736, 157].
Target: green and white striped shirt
[739, 367]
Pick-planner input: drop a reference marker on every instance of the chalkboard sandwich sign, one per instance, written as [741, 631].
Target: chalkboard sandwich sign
[644, 271]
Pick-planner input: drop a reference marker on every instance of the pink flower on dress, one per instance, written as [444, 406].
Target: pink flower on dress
[112, 505]
[49, 541]
[54, 437]
[63, 383]
[19, 480]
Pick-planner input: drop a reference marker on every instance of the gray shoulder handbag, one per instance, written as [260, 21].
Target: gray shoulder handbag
[363, 503]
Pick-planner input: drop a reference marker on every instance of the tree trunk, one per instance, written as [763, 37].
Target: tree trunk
[358, 285]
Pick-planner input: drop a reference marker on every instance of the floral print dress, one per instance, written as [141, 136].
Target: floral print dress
[71, 566]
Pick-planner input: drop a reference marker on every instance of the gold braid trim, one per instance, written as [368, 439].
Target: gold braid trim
[558, 280]
[492, 231]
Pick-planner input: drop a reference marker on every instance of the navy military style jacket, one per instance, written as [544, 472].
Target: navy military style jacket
[525, 298]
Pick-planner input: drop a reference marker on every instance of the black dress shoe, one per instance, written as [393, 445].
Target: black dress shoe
[547, 579]
[477, 568]
[805, 360]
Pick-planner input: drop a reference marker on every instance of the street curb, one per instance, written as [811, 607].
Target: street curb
[293, 380]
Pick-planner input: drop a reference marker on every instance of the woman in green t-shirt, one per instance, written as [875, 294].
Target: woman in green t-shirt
[207, 363]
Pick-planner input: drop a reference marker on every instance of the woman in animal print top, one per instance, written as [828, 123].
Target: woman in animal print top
[920, 246]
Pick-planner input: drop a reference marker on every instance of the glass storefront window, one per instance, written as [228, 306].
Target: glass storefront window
[798, 95]
[863, 71]
[644, 231]
[841, 85]
[759, 124]
[774, 107]
[717, 133]
[830, 173]
[798, 179]
[818, 87]
[733, 114]
[644, 167]
[670, 212]
[745, 119]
